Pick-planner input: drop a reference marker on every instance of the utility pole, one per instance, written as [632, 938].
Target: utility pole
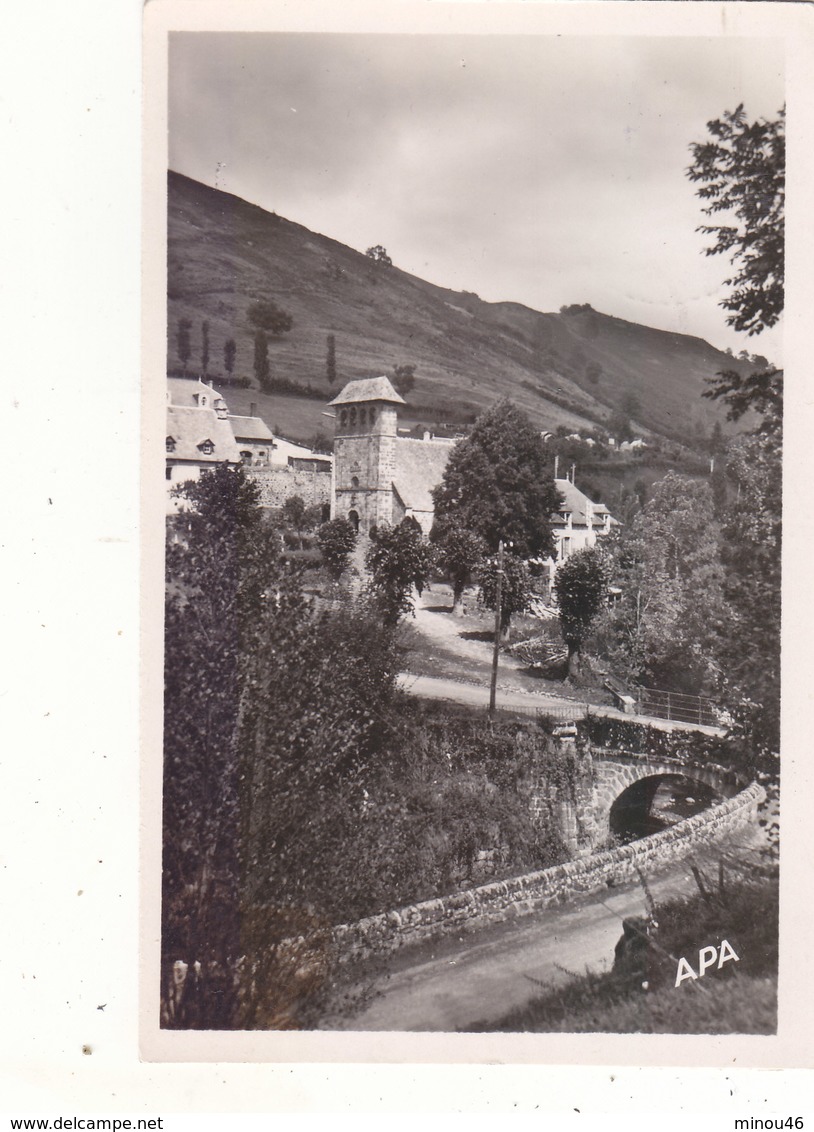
[498, 611]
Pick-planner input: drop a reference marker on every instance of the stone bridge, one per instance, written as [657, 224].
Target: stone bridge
[612, 802]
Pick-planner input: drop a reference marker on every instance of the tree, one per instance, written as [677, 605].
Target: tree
[330, 361]
[379, 255]
[336, 540]
[741, 172]
[403, 379]
[593, 371]
[397, 560]
[220, 564]
[184, 342]
[515, 588]
[497, 484]
[270, 743]
[294, 512]
[229, 354]
[262, 369]
[580, 587]
[666, 630]
[321, 442]
[267, 316]
[751, 554]
[459, 552]
[204, 347]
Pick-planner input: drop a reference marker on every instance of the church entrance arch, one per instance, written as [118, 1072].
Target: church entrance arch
[353, 517]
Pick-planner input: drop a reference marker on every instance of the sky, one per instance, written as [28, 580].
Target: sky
[540, 169]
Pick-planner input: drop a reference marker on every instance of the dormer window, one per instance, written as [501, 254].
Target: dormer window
[170, 443]
[206, 447]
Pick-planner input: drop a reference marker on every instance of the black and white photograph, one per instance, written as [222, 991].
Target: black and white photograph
[472, 510]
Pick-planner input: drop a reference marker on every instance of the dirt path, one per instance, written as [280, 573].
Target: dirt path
[477, 695]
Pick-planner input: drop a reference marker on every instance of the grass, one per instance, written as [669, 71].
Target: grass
[741, 998]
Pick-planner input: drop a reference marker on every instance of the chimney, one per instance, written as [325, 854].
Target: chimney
[253, 409]
[556, 465]
[573, 472]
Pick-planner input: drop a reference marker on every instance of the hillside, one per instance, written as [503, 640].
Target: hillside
[571, 368]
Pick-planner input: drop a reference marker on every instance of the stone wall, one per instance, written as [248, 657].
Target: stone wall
[518, 896]
[278, 484]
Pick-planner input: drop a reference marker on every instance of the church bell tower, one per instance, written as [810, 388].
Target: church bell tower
[365, 452]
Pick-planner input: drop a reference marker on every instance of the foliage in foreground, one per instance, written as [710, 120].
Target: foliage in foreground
[740, 998]
[299, 792]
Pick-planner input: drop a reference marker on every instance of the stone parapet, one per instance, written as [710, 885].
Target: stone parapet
[493, 903]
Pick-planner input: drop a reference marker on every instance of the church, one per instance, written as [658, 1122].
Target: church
[381, 477]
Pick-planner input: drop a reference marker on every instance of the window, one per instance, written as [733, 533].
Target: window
[246, 456]
[362, 416]
[354, 482]
[353, 416]
[206, 447]
[343, 418]
[170, 443]
[168, 472]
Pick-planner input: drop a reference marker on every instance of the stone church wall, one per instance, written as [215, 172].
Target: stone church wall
[278, 484]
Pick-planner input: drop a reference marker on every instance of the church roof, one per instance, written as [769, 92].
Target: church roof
[420, 467]
[368, 389]
[191, 427]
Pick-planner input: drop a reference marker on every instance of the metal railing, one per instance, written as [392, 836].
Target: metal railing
[680, 706]
[567, 713]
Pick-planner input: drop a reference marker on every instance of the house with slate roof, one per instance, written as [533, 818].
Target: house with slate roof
[199, 434]
[254, 439]
[579, 522]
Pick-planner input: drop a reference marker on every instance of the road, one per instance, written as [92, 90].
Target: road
[474, 980]
[441, 688]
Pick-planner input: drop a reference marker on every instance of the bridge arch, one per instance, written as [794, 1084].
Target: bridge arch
[655, 802]
[632, 796]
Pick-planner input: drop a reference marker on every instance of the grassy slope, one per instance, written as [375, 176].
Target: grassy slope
[223, 253]
[740, 998]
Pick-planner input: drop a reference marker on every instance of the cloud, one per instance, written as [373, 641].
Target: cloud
[540, 169]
